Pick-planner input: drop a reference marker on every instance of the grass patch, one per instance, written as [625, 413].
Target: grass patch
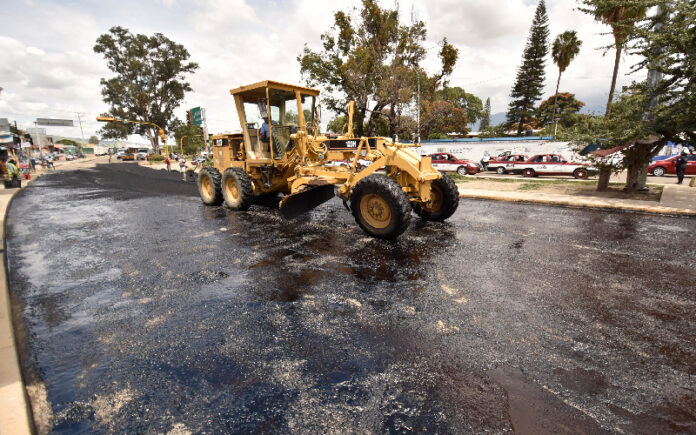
[461, 178]
[531, 186]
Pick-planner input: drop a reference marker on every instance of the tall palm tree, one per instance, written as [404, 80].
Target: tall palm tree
[620, 15]
[564, 49]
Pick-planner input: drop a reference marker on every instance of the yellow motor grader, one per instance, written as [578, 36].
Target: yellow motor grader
[280, 150]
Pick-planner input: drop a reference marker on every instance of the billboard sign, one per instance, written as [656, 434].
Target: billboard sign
[55, 122]
[197, 116]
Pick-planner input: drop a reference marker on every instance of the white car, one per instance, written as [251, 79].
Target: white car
[142, 155]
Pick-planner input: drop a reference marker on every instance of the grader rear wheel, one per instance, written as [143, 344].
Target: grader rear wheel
[236, 189]
[209, 186]
[444, 202]
[380, 207]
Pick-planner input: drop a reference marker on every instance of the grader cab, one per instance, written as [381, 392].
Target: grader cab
[280, 150]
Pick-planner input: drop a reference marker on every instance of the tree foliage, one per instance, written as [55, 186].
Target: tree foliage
[370, 57]
[192, 135]
[563, 104]
[470, 103]
[93, 139]
[148, 82]
[529, 83]
[442, 117]
[621, 16]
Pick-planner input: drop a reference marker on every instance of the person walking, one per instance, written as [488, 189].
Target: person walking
[32, 162]
[168, 162]
[190, 171]
[182, 164]
[13, 173]
[681, 162]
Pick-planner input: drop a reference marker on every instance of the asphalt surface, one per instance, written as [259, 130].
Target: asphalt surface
[140, 310]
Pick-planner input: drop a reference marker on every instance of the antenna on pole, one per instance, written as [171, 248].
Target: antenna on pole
[418, 105]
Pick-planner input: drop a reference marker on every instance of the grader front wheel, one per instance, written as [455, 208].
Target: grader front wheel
[236, 189]
[380, 207]
[444, 202]
[209, 186]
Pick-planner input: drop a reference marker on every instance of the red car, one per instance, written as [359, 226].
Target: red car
[447, 162]
[669, 166]
[500, 163]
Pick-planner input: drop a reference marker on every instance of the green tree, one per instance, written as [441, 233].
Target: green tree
[93, 139]
[442, 117]
[470, 103]
[564, 49]
[148, 83]
[560, 107]
[373, 60]
[621, 16]
[486, 117]
[192, 135]
[530, 76]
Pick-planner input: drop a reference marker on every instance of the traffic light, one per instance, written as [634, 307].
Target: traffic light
[163, 136]
[189, 117]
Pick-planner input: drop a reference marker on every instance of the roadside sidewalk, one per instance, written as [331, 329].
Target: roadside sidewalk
[675, 200]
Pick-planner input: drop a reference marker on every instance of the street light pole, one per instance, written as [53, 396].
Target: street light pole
[161, 130]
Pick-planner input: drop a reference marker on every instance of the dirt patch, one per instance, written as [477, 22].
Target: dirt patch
[559, 187]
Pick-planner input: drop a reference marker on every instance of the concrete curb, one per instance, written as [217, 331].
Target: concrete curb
[578, 202]
[15, 410]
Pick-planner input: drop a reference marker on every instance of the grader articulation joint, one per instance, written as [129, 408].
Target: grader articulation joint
[280, 150]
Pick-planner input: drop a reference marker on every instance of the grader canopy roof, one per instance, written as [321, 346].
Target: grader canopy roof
[260, 88]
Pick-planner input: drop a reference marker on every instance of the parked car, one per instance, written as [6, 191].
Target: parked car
[447, 162]
[120, 154]
[127, 157]
[669, 166]
[142, 155]
[69, 157]
[501, 164]
[550, 164]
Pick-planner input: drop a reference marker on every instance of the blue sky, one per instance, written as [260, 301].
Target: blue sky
[48, 68]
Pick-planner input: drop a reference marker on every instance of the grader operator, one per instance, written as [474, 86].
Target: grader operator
[280, 150]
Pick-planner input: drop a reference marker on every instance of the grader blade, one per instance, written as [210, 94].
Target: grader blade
[299, 203]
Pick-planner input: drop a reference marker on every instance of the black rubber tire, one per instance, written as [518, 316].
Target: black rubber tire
[659, 171]
[581, 174]
[450, 201]
[393, 195]
[214, 176]
[500, 170]
[529, 172]
[245, 190]
[462, 170]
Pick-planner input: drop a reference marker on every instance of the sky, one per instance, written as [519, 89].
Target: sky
[48, 68]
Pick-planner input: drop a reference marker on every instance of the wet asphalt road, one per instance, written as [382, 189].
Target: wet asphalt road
[141, 310]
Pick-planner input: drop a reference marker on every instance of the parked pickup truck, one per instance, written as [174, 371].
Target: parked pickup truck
[548, 164]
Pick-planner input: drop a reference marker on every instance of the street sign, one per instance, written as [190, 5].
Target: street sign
[197, 116]
[54, 122]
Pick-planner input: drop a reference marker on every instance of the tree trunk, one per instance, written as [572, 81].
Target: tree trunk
[359, 121]
[603, 183]
[376, 111]
[613, 80]
[555, 99]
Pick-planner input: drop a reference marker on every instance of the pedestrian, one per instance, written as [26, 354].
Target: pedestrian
[109, 157]
[191, 171]
[32, 162]
[13, 173]
[50, 163]
[484, 160]
[168, 163]
[182, 164]
[682, 161]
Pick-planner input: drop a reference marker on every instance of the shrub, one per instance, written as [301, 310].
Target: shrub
[156, 158]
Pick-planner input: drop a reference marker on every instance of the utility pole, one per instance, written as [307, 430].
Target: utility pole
[419, 107]
[79, 120]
